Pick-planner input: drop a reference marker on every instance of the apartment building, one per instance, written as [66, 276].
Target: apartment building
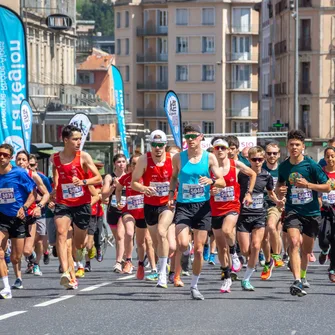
[316, 67]
[206, 51]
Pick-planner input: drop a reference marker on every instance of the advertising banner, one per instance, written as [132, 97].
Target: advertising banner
[26, 114]
[82, 121]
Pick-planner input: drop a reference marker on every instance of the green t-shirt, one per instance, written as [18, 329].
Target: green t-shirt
[301, 200]
[274, 174]
[243, 160]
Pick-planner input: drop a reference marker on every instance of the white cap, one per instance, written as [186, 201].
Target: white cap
[221, 142]
[158, 133]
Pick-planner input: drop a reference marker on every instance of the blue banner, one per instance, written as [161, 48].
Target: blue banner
[119, 106]
[13, 77]
[173, 114]
[27, 123]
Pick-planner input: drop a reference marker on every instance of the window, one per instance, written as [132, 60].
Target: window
[208, 16]
[241, 104]
[182, 17]
[182, 73]
[182, 44]
[241, 48]
[85, 78]
[118, 20]
[127, 46]
[240, 127]
[126, 100]
[118, 46]
[241, 19]
[208, 44]
[208, 127]
[183, 100]
[127, 76]
[208, 102]
[208, 73]
[163, 125]
[163, 18]
[126, 24]
[163, 74]
[163, 46]
[241, 76]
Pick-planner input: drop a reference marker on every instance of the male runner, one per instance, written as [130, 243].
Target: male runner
[16, 196]
[234, 153]
[225, 205]
[302, 179]
[73, 198]
[191, 169]
[155, 168]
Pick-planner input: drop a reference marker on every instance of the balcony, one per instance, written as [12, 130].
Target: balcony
[151, 112]
[152, 30]
[305, 3]
[243, 29]
[151, 58]
[305, 87]
[152, 86]
[242, 57]
[281, 6]
[280, 89]
[84, 43]
[237, 113]
[244, 85]
[305, 44]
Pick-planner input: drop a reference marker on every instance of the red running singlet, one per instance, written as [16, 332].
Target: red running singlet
[33, 205]
[158, 177]
[67, 193]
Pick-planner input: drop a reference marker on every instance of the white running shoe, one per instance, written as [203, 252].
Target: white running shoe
[236, 264]
[225, 288]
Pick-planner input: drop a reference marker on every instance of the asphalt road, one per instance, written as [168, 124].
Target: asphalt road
[109, 303]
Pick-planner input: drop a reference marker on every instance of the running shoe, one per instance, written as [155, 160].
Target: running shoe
[297, 289]
[18, 285]
[211, 259]
[54, 251]
[36, 270]
[236, 263]
[88, 267]
[92, 253]
[140, 272]
[323, 257]
[278, 261]
[305, 283]
[171, 277]
[267, 270]
[81, 254]
[185, 273]
[312, 258]
[161, 281]
[206, 253]
[195, 294]
[99, 256]
[225, 287]
[153, 276]
[80, 273]
[117, 267]
[246, 286]
[6, 294]
[7, 256]
[30, 268]
[178, 282]
[73, 284]
[65, 279]
[286, 258]
[261, 258]
[331, 276]
[185, 262]
[46, 258]
[31, 258]
[128, 267]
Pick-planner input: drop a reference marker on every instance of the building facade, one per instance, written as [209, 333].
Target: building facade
[206, 51]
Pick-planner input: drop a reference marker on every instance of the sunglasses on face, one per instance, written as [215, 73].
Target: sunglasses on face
[157, 145]
[220, 147]
[4, 154]
[191, 136]
[272, 153]
[257, 160]
[32, 165]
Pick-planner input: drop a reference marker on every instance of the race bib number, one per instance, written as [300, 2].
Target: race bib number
[70, 191]
[113, 201]
[135, 202]
[162, 188]
[329, 198]
[275, 179]
[193, 191]
[226, 194]
[7, 196]
[301, 196]
[257, 201]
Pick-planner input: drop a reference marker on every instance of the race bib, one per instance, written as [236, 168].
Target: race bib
[135, 202]
[301, 196]
[275, 179]
[226, 194]
[7, 196]
[329, 198]
[193, 191]
[70, 191]
[113, 201]
[257, 201]
[162, 188]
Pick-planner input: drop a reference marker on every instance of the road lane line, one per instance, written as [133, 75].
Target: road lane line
[94, 287]
[131, 276]
[54, 301]
[9, 315]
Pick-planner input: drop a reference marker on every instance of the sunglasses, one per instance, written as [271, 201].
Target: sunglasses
[32, 165]
[272, 153]
[220, 147]
[191, 136]
[4, 154]
[257, 160]
[157, 145]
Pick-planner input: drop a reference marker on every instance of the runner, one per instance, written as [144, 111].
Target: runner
[155, 168]
[114, 215]
[272, 240]
[302, 179]
[251, 223]
[225, 205]
[73, 198]
[330, 143]
[191, 169]
[16, 196]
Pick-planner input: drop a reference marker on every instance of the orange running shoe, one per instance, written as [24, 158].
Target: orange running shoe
[267, 270]
[128, 267]
[178, 282]
[140, 272]
[278, 261]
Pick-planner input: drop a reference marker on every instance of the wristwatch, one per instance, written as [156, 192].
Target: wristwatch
[25, 208]
[250, 192]
[40, 206]
[171, 191]
[85, 182]
[214, 181]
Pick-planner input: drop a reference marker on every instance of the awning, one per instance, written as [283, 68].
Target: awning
[47, 152]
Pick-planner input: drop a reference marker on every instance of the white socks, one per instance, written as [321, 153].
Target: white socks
[194, 282]
[162, 262]
[248, 273]
[80, 265]
[6, 283]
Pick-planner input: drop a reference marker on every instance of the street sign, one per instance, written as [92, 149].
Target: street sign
[278, 124]
[58, 22]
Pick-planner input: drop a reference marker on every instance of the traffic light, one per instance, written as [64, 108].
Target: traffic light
[292, 5]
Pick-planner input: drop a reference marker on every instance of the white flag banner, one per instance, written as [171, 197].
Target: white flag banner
[82, 121]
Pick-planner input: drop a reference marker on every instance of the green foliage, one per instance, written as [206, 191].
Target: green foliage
[100, 12]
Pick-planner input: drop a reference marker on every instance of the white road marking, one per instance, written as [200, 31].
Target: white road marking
[131, 276]
[54, 301]
[9, 315]
[293, 332]
[94, 287]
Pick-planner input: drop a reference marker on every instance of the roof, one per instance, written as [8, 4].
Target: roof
[98, 61]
